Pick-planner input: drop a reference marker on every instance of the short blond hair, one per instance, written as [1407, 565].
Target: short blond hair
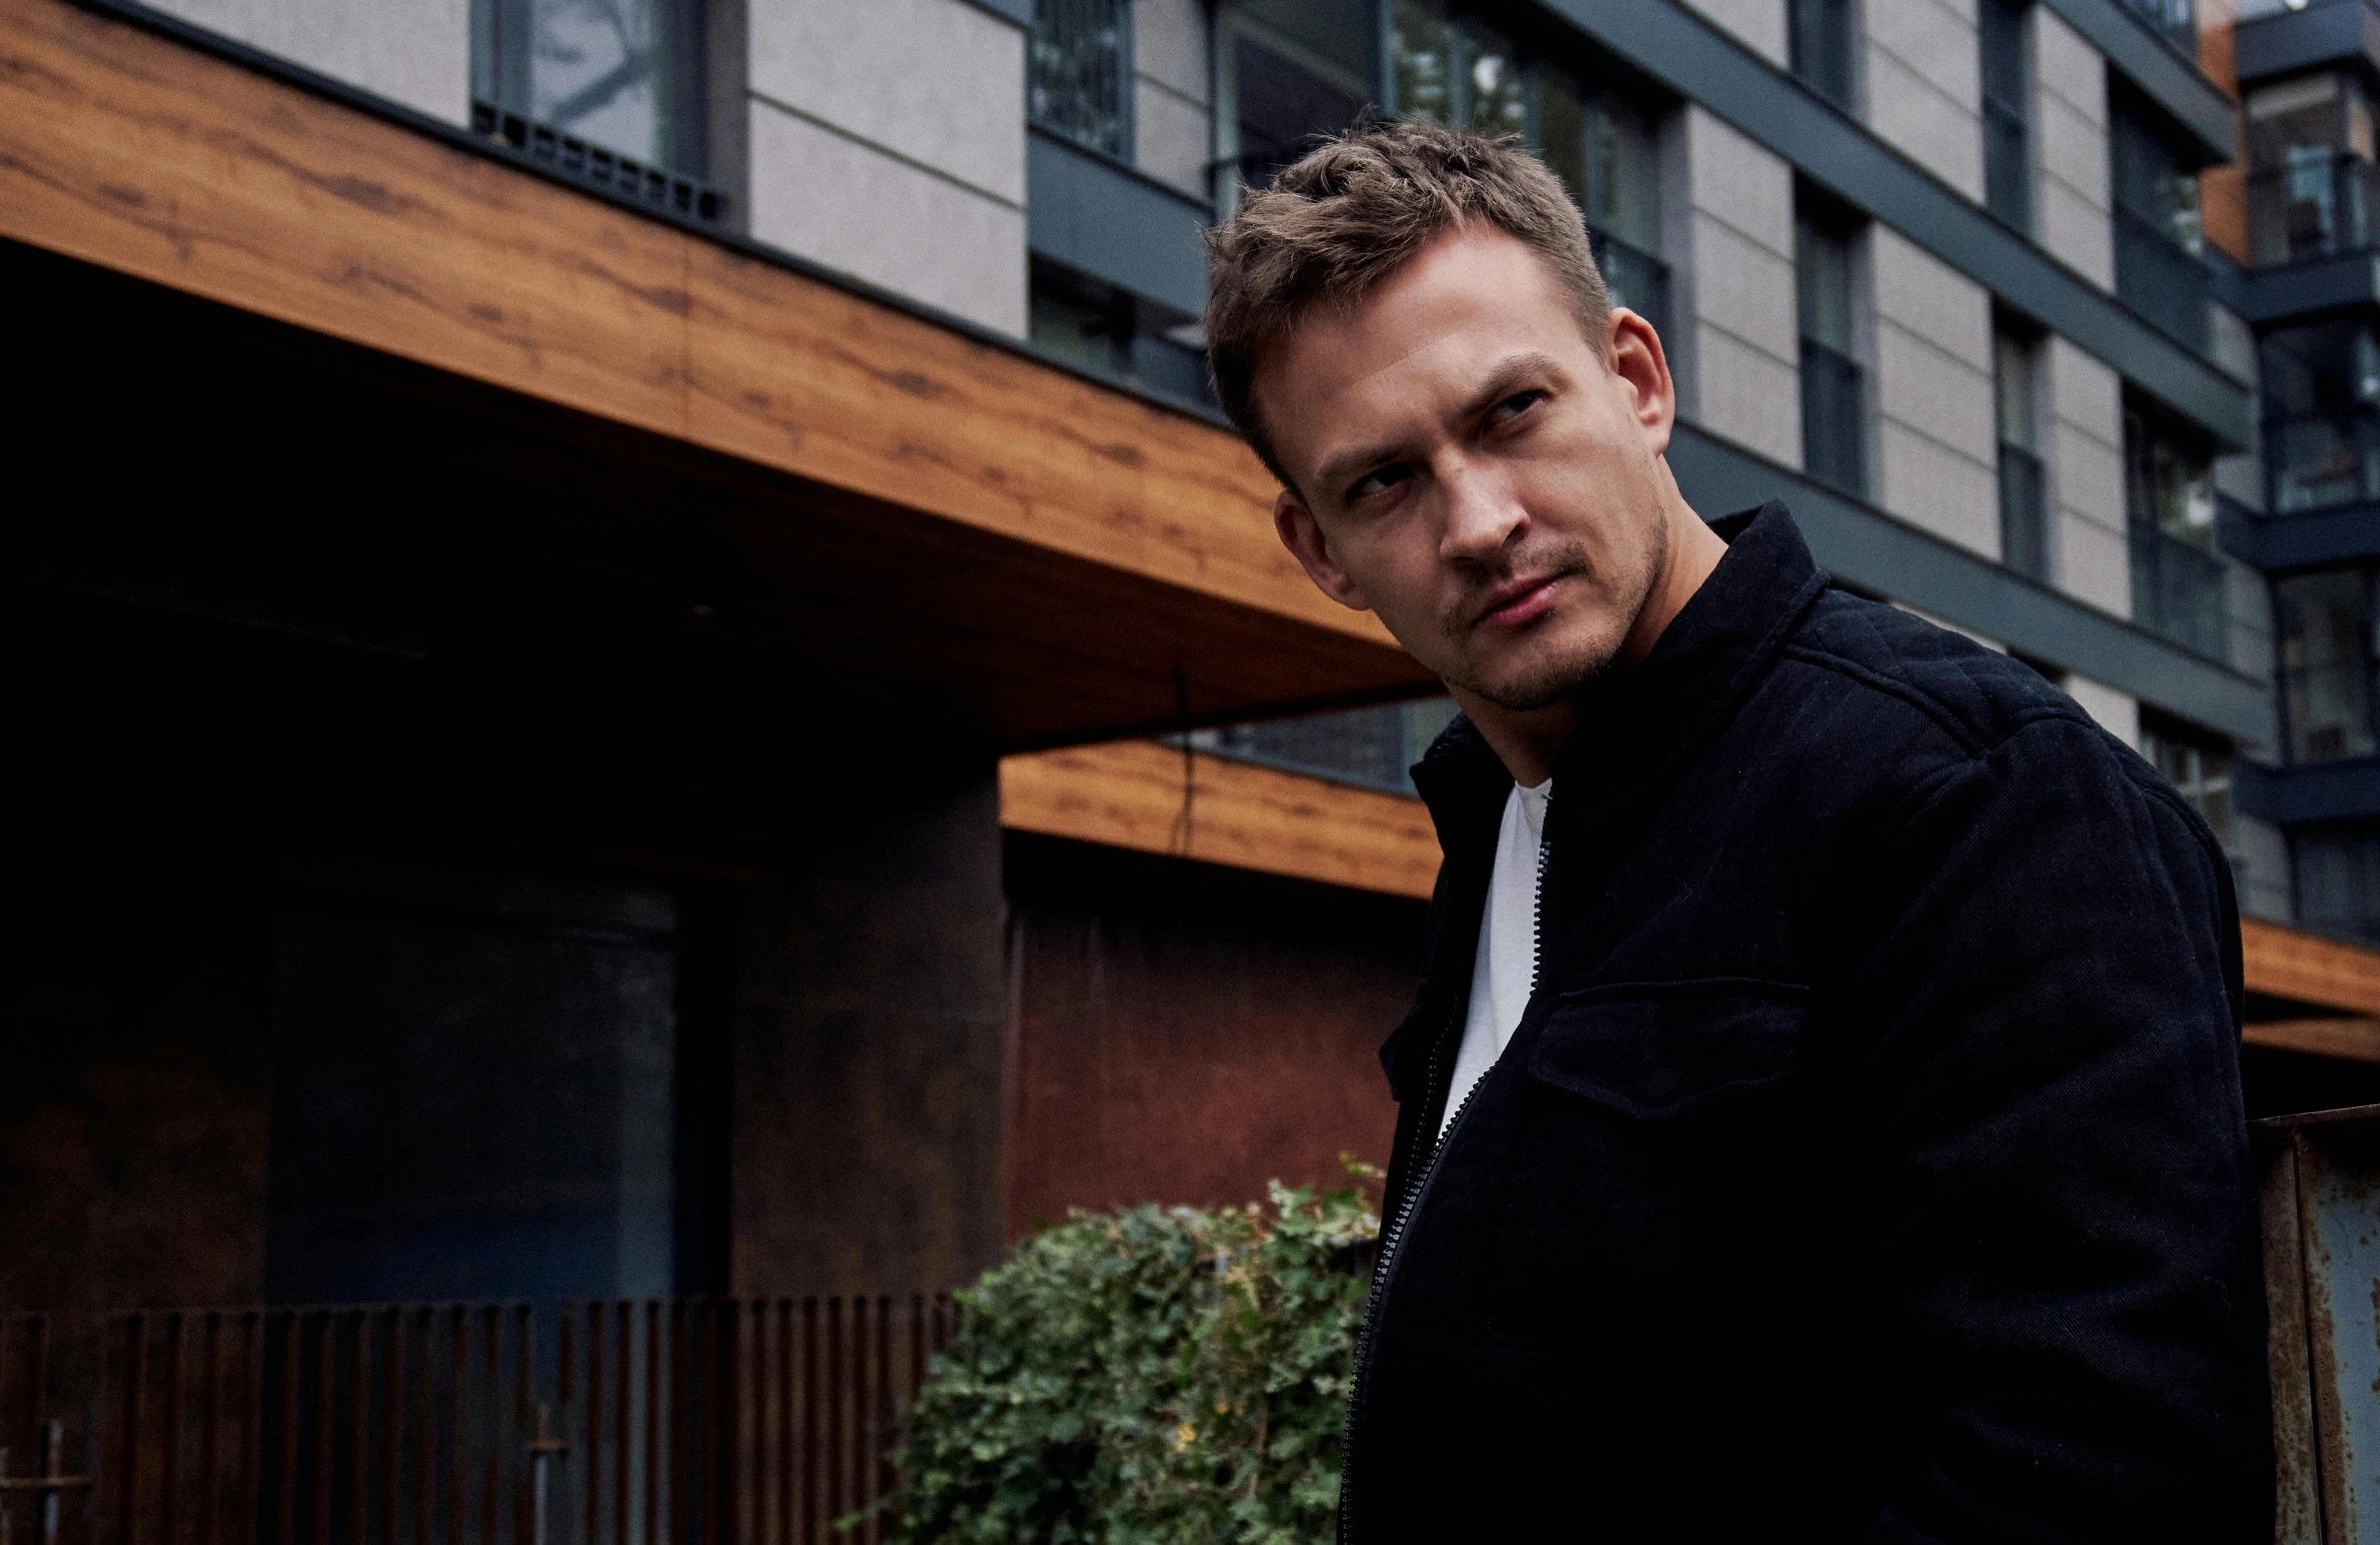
[1354, 210]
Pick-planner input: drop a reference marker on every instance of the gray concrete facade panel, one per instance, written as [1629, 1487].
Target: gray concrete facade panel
[1877, 552]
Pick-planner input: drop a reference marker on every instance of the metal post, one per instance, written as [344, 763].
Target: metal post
[49, 1483]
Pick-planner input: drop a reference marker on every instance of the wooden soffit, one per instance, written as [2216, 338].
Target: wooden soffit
[139, 154]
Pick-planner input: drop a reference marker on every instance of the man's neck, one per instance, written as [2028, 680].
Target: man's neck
[1529, 741]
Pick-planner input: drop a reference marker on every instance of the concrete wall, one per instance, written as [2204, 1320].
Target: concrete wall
[1173, 121]
[1739, 299]
[417, 52]
[1758, 25]
[1185, 1033]
[888, 140]
[2089, 557]
[1925, 92]
[2072, 197]
[1937, 450]
[871, 1017]
[2117, 713]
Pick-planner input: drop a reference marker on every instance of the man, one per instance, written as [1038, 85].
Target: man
[1820, 1114]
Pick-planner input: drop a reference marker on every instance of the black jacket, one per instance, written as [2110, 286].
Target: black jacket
[1869, 1163]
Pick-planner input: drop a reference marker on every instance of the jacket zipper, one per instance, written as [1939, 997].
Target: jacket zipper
[1393, 1233]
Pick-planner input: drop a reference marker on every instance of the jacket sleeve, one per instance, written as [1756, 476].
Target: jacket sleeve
[2068, 1263]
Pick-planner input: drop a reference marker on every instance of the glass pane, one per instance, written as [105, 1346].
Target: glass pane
[2338, 882]
[1562, 131]
[1818, 45]
[596, 71]
[1623, 177]
[2169, 485]
[2012, 390]
[1076, 74]
[1493, 101]
[2325, 627]
[2294, 115]
[1422, 61]
[1823, 281]
[1340, 32]
[1282, 105]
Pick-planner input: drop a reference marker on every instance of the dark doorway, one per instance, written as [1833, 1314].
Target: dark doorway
[473, 1089]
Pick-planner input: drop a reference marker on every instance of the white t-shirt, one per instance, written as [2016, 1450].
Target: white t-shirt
[1502, 977]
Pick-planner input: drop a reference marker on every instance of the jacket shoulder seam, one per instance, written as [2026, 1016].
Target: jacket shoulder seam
[1926, 702]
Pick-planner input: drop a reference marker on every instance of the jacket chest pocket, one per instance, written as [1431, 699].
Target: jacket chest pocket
[1656, 1051]
[1651, 1142]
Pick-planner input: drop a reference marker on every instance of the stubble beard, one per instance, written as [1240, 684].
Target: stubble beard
[1551, 670]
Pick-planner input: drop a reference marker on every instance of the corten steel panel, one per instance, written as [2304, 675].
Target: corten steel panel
[1185, 1033]
[2321, 1199]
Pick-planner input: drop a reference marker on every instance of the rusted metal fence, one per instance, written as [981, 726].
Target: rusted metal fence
[633, 1422]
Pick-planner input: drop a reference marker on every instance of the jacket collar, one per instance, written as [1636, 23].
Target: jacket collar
[1634, 726]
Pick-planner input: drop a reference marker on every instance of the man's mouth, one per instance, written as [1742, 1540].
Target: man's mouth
[1517, 602]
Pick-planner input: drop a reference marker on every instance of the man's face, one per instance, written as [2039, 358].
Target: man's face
[1470, 469]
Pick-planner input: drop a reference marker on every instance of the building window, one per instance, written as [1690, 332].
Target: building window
[1834, 386]
[623, 77]
[2169, 508]
[2322, 415]
[2197, 764]
[2338, 880]
[1079, 73]
[2177, 21]
[2311, 186]
[1294, 71]
[1453, 72]
[2158, 272]
[1114, 333]
[1819, 36]
[2024, 497]
[2325, 625]
[1372, 748]
[1604, 148]
[2008, 112]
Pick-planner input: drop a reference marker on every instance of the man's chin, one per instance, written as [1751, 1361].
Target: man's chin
[1543, 683]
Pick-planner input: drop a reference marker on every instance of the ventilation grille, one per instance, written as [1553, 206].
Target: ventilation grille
[597, 166]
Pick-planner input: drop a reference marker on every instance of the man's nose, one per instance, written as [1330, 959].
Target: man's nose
[1482, 513]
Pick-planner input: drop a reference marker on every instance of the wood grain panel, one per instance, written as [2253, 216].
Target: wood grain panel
[2349, 1040]
[2307, 969]
[128, 150]
[1129, 794]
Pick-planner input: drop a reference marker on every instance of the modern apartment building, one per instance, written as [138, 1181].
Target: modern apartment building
[642, 667]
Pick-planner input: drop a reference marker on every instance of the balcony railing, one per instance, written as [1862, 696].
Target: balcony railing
[1636, 279]
[2177, 593]
[2024, 513]
[2160, 278]
[2315, 209]
[2321, 461]
[1834, 419]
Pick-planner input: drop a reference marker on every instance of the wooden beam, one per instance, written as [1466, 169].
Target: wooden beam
[1130, 794]
[123, 149]
[2308, 968]
[2349, 1040]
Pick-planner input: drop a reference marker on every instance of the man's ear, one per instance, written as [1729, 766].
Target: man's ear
[1638, 360]
[1298, 532]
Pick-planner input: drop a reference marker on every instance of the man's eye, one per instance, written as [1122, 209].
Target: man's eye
[1513, 406]
[1379, 481]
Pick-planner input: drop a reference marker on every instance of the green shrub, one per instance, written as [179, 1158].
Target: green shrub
[1161, 1374]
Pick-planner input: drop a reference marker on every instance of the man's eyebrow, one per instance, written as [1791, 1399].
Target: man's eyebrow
[1506, 378]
